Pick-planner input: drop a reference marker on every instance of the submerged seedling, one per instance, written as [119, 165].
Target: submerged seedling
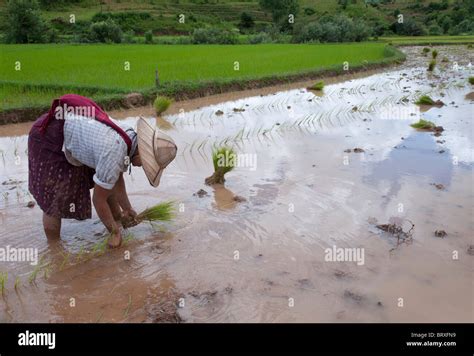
[223, 160]
[161, 104]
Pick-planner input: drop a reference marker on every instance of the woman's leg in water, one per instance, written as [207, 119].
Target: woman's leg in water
[52, 227]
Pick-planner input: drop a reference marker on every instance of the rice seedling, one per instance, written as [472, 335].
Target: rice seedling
[426, 50]
[161, 212]
[161, 104]
[434, 54]
[317, 86]
[223, 159]
[423, 125]
[65, 260]
[125, 313]
[36, 270]
[471, 80]
[3, 281]
[425, 100]
[431, 65]
[17, 283]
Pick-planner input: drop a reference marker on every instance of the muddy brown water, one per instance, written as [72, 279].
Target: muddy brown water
[263, 259]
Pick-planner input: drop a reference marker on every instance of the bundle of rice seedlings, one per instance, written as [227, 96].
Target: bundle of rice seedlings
[431, 65]
[317, 86]
[471, 80]
[434, 54]
[425, 100]
[426, 50]
[423, 125]
[223, 159]
[3, 281]
[161, 212]
[161, 104]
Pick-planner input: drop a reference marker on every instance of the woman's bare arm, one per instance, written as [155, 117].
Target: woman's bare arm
[99, 198]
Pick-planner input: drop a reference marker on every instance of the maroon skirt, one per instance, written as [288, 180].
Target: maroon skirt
[60, 189]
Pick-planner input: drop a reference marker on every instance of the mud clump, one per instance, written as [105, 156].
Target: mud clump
[470, 250]
[355, 150]
[238, 109]
[353, 296]
[239, 199]
[201, 193]
[398, 232]
[30, 204]
[216, 178]
[438, 186]
[440, 233]
[219, 112]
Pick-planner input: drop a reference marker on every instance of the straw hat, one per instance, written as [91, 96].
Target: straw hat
[156, 149]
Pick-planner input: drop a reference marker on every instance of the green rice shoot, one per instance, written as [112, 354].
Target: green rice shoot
[471, 80]
[3, 281]
[425, 100]
[431, 66]
[317, 86]
[161, 104]
[426, 50]
[161, 212]
[223, 160]
[423, 125]
[434, 54]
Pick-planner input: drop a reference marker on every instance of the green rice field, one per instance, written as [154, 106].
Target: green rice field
[49, 70]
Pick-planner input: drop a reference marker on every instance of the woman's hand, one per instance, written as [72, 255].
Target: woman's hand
[115, 238]
[129, 218]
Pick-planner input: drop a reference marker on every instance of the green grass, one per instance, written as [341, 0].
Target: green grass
[161, 212]
[161, 104]
[425, 100]
[423, 125]
[317, 86]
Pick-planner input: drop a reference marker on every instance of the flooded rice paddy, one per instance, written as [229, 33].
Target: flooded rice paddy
[263, 257]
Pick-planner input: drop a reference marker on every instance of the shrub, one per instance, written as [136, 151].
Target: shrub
[23, 22]
[246, 21]
[161, 104]
[149, 37]
[213, 36]
[337, 29]
[105, 31]
[129, 37]
[261, 37]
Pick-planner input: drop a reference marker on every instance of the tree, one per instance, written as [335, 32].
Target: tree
[246, 21]
[280, 9]
[24, 23]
